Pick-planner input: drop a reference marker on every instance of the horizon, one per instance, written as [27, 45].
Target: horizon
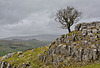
[29, 35]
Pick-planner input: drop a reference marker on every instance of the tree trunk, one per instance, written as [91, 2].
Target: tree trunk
[69, 30]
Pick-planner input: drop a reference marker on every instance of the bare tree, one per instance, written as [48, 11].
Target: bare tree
[67, 17]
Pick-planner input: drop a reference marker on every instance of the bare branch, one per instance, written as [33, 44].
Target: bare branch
[67, 17]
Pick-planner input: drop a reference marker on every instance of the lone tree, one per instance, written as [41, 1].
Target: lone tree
[67, 17]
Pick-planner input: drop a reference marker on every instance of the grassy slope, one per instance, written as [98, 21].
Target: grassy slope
[0, 58]
[29, 56]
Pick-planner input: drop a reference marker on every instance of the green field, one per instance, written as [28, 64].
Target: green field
[8, 46]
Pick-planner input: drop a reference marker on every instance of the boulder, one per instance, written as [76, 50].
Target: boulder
[84, 32]
[94, 30]
[20, 52]
[21, 56]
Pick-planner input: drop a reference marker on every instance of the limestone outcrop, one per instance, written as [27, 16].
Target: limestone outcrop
[4, 64]
[81, 45]
[7, 56]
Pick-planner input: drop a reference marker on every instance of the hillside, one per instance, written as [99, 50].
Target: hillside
[45, 37]
[77, 49]
[8, 46]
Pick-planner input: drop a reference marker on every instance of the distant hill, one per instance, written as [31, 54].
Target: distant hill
[38, 37]
[21, 43]
[7, 46]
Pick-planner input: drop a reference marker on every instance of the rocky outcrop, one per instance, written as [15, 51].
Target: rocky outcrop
[81, 45]
[82, 26]
[7, 56]
[4, 64]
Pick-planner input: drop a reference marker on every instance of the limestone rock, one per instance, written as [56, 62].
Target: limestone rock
[79, 47]
[20, 52]
[94, 30]
[7, 56]
[21, 56]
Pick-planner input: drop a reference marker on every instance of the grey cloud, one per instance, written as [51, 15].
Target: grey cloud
[15, 10]
[27, 17]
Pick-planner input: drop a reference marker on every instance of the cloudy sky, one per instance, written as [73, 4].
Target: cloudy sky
[32, 17]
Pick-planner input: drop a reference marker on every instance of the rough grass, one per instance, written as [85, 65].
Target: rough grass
[74, 32]
[63, 43]
[0, 58]
[69, 34]
[29, 56]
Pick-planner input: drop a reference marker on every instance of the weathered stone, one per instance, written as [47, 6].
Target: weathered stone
[9, 66]
[89, 31]
[98, 25]
[93, 46]
[57, 42]
[2, 64]
[21, 56]
[7, 56]
[83, 27]
[32, 50]
[98, 36]
[98, 31]
[84, 32]
[90, 34]
[94, 54]
[94, 30]
[39, 55]
[20, 52]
